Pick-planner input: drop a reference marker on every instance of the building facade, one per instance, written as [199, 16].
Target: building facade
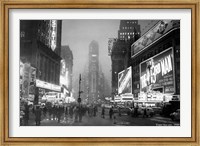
[120, 49]
[40, 47]
[155, 59]
[66, 68]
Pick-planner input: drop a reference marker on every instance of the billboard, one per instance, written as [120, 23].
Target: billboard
[157, 73]
[125, 81]
[158, 31]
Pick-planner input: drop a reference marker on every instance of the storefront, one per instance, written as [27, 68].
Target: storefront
[46, 90]
[156, 63]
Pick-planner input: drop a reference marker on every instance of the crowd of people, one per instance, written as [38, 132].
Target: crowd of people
[60, 112]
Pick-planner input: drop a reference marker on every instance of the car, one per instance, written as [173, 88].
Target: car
[149, 111]
[157, 110]
[124, 110]
[175, 116]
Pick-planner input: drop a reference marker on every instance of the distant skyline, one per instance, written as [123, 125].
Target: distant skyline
[78, 34]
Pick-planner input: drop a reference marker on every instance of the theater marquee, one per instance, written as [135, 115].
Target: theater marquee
[158, 72]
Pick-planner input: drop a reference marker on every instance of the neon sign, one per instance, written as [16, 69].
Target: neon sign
[53, 34]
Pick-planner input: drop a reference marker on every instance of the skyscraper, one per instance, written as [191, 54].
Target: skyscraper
[93, 75]
[40, 46]
[129, 31]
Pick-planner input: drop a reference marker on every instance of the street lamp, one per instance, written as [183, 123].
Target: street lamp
[79, 98]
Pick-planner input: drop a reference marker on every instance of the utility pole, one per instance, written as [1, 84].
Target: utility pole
[79, 93]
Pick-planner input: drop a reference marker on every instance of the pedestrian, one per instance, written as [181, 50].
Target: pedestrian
[50, 112]
[59, 113]
[114, 119]
[136, 110]
[80, 113]
[120, 111]
[103, 112]
[75, 111]
[37, 115]
[111, 112]
[95, 111]
[66, 111]
[54, 109]
[145, 112]
[26, 114]
[45, 111]
[71, 112]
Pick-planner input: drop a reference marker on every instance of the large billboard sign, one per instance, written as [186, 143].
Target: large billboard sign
[158, 73]
[125, 81]
[46, 85]
[158, 31]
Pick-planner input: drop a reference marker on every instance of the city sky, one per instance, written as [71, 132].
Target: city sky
[79, 33]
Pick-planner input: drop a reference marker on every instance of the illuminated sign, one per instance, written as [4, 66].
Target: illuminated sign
[53, 34]
[158, 73]
[47, 85]
[161, 28]
[125, 81]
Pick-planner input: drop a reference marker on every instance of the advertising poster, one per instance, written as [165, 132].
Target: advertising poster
[125, 81]
[158, 73]
[159, 30]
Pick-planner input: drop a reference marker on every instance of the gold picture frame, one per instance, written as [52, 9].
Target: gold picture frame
[114, 4]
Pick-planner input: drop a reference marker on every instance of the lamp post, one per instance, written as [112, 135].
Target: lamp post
[79, 93]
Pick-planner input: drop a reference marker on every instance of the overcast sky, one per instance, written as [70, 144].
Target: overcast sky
[79, 33]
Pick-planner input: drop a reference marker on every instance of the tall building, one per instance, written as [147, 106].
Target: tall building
[93, 69]
[120, 49]
[93, 81]
[40, 47]
[128, 30]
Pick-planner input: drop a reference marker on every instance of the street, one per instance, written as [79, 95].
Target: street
[123, 120]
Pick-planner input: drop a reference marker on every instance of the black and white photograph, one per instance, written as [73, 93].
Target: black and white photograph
[99, 72]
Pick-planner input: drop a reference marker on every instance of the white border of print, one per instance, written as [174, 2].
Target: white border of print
[184, 130]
